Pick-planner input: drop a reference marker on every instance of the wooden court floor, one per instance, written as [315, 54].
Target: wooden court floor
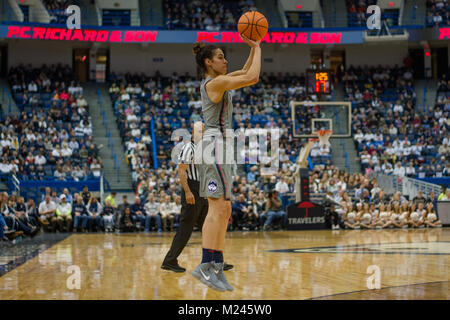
[280, 265]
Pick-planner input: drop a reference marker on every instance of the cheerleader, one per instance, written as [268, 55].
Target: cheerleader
[366, 217]
[350, 220]
[395, 215]
[404, 216]
[374, 212]
[383, 216]
[430, 218]
[415, 216]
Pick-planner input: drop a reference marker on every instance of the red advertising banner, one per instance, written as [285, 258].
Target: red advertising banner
[39, 33]
[273, 37]
[444, 33]
[163, 36]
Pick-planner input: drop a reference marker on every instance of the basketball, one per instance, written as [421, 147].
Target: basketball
[253, 25]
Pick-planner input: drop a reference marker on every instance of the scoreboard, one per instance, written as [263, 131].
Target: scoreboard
[318, 81]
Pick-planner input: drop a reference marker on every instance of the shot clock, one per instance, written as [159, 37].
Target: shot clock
[318, 81]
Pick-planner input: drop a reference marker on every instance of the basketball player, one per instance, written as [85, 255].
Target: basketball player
[193, 208]
[215, 176]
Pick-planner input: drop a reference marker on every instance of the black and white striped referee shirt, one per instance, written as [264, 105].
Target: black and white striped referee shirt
[187, 157]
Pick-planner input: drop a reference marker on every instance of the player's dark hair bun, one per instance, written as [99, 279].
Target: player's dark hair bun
[202, 52]
[197, 47]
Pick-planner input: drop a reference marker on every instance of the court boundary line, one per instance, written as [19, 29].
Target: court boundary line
[374, 290]
[356, 246]
[31, 256]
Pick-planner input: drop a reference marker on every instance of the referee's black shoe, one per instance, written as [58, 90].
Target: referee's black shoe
[227, 266]
[175, 267]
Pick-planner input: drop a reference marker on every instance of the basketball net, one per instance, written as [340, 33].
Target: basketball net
[323, 135]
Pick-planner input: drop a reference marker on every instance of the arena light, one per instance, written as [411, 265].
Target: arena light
[299, 6]
[391, 4]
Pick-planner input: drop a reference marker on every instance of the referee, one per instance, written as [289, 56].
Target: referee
[193, 208]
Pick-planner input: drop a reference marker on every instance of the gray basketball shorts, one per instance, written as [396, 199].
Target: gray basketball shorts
[215, 170]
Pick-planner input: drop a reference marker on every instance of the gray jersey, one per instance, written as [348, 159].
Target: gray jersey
[216, 176]
[217, 116]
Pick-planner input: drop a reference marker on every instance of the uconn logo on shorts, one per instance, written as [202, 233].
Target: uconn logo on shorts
[212, 186]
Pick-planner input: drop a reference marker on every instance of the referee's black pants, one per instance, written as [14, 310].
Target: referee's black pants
[190, 214]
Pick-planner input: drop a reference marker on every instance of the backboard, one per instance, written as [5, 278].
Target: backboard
[309, 117]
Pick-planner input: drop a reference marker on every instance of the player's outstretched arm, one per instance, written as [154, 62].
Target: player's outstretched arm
[249, 61]
[223, 83]
[246, 66]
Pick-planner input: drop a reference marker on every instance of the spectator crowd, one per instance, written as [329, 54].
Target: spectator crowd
[353, 201]
[438, 13]
[52, 138]
[391, 135]
[356, 12]
[57, 9]
[223, 15]
[205, 15]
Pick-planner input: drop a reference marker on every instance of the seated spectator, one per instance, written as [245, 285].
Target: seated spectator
[332, 219]
[63, 218]
[249, 220]
[26, 222]
[239, 209]
[81, 102]
[32, 213]
[86, 195]
[111, 198]
[177, 211]
[94, 209]
[81, 215]
[107, 216]
[96, 168]
[399, 170]
[137, 214]
[419, 198]
[446, 197]
[120, 212]
[274, 210]
[167, 211]
[47, 211]
[126, 221]
[152, 209]
[430, 218]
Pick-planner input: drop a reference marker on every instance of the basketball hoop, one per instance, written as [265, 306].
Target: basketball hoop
[324, 136]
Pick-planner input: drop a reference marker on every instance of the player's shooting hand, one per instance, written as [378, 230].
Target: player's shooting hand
[190, 198]
[251, 43]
